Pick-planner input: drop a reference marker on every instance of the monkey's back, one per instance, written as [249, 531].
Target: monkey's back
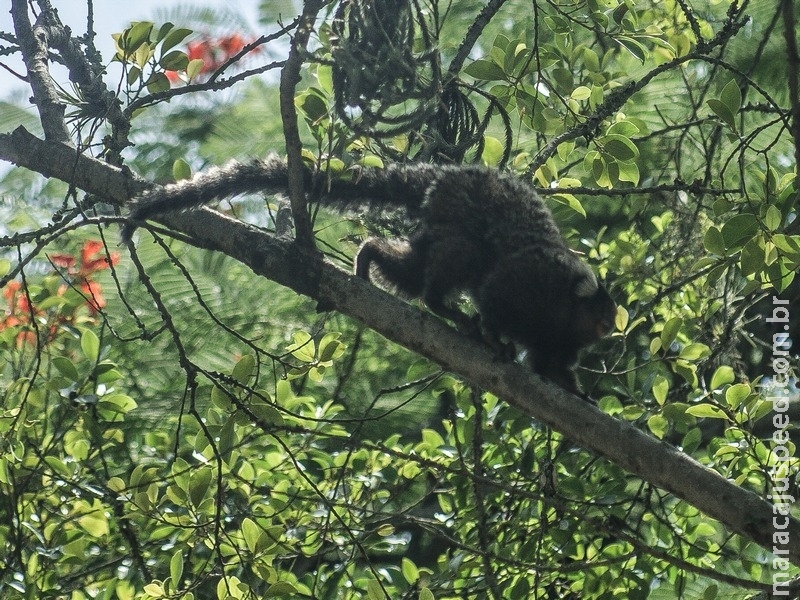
[496, 211]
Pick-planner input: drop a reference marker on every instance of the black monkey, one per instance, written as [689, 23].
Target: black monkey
[478, 231]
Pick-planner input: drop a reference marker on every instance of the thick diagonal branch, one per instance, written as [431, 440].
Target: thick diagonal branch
[303, 271]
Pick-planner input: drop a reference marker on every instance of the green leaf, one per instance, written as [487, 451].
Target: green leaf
[142, 55]
[164, 30]
[485, 70]
[570, 201]
[90, 345]
[303, 348]
[95, 522]
[281, 589]
[174, 61]
[313, 107]
[624, 128]
[720, 206]
[686, 370]
[58, 466]
[432, 438]
[581, 93]
[426, 594]
[155, 590]
[134, 73]
[760, 410]
[199, 484]
[753, 257]
[722, 376]
[658, 425]
[773, 219]
[330, 348]
[599, 169]
[670, 331]
[324, 76]
[737, 394]
[558, 24]
[492, 151]
[723, 111]
[706, 411]
[244, 369]
[220, 398]
[691, 441]
[251, 532]
[628, 172]
[176, 567]
[694, 352]
[618, 147]
[410, 571]
[714, 242]
[660, 389]
[637, 49]
[517, 60]
[266, 413]
[789, 244]
[175, 37]
[780, 275]
[738, 229]
[591, 60]
[66, 368]
[116, 484]
[731, 96]
[133, 37]
[158, 82]
[372, 161]
[194, 68]
[227, 439]
[115, 406]
[564, 150]
[621, 319]
[181, 170]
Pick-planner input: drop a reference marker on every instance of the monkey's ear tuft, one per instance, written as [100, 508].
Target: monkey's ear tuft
[587, 286]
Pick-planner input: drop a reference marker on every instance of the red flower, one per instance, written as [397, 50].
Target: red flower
[201, 49]
[232, 45]
[89, 265]
[91, 261]
[65, 261]
[18, 312]
[17, 302]
[214, 52]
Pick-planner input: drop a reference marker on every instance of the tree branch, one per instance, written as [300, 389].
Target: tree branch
[64, 162]
[290, 77]
[33, 43]
[88, 77]
[286, 263]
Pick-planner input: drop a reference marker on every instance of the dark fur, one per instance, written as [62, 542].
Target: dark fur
[480, 231]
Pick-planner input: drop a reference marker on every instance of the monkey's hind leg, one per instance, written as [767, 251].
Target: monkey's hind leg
[419, 269]
[454, 264]
[401, 264]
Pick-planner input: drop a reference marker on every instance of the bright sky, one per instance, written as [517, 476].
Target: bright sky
[111, 17]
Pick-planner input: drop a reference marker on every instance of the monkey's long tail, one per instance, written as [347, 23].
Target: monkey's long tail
[398, 185]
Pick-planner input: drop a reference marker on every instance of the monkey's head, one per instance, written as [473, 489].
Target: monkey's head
[595, 311]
